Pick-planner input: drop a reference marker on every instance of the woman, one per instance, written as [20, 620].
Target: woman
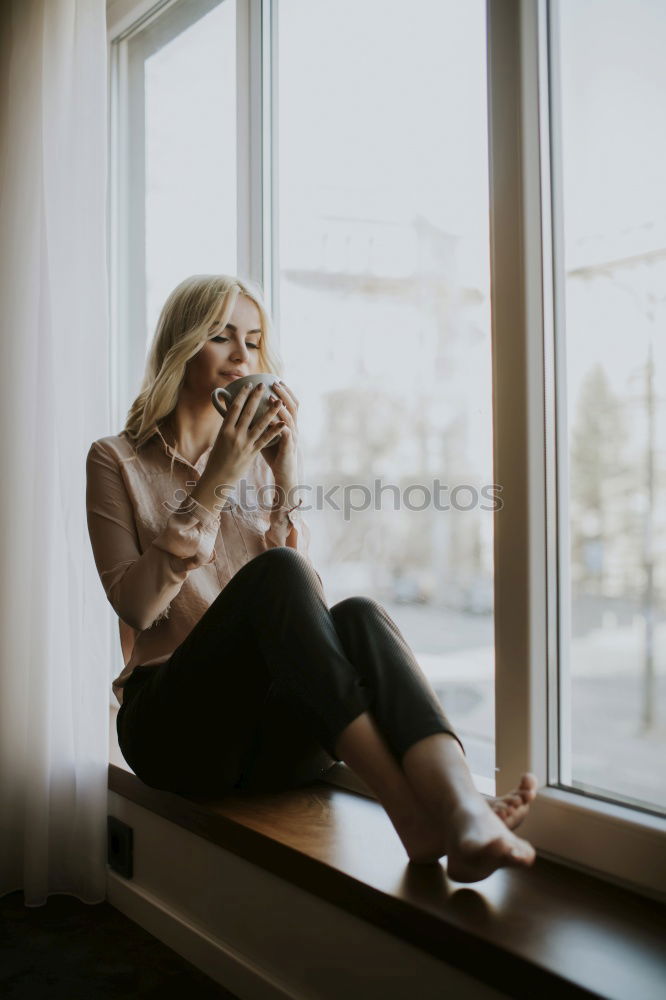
[237, 673]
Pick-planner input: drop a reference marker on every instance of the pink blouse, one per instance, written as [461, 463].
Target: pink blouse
[143, 524]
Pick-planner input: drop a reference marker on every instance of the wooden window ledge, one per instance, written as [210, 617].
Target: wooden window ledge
[546, 931]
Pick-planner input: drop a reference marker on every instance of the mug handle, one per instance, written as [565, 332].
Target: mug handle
[220, 391]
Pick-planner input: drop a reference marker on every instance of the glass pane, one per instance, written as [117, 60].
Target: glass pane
[613, 163]
[385, 322]
[190, 156]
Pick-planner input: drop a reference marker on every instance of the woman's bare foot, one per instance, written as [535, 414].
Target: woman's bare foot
[426, 844]
[512, 808]
[475, 843]
[479, 843]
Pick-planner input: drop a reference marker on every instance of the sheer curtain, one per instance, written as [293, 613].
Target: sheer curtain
[54, 623]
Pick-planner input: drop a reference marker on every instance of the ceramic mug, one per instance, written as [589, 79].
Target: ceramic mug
[229, 392]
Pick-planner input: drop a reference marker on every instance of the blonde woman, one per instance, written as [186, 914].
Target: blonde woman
[238, 676]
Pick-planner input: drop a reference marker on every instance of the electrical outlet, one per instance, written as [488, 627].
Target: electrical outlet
[119, 846]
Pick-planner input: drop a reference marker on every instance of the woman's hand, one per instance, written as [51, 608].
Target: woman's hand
[281, 456]
[237, 445]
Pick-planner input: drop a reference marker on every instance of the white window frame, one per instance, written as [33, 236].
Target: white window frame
[617, 842]
[609, 840]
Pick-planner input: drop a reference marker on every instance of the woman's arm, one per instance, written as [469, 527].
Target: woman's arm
[288, 528]
[140, 586]
[285, 527]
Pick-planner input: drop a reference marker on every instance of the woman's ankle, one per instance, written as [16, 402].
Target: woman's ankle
[437, 770]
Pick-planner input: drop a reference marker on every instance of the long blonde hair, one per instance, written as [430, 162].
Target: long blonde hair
[182, 330]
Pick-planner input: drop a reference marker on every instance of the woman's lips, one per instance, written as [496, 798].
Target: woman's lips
[229, 375]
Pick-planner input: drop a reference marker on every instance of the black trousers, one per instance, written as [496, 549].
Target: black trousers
[258, 693]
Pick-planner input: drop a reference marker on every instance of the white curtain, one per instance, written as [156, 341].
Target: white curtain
[54, 622]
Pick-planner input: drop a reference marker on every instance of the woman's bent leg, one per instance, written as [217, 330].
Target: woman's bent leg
[266, 647]
[330, 665]
[448, 815]
[405, 710]
[400, 696]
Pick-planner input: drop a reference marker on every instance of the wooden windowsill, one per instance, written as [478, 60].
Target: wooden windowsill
[547, 930]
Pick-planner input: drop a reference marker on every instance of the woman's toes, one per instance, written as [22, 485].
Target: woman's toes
[528, 785]
[512, 807]
[522, 853]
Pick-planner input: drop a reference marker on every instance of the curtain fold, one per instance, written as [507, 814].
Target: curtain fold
[55, 628]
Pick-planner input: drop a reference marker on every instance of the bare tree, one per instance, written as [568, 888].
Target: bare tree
[598, 479]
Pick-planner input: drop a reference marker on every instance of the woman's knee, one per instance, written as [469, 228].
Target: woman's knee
[359, 604]
[282, 556]
[284, 560]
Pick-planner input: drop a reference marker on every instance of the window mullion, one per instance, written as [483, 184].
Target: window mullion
[559, 609]
[520, 633]
[253, 142]
[271, 282]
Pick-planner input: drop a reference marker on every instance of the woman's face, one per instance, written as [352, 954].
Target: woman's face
[232, 350]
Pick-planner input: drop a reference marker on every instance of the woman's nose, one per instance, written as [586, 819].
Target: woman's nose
[241, 354]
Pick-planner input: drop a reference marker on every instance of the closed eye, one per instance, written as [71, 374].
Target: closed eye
[219, 337]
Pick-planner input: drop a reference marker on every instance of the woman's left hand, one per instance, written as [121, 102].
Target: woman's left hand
[281, 456]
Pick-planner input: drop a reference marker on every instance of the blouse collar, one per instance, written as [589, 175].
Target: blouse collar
[172, 453]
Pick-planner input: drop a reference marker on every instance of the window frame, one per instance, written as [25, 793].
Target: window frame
[609, 840]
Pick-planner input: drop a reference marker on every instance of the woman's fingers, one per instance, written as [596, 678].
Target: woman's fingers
[289, 410]
[266, 421]
[286, 394]
[236, 405]
[249, 404]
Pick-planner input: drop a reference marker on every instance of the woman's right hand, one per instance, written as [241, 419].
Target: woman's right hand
[236, 444]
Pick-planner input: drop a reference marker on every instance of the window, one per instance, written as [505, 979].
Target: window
[372, 180]
[190, 151]
[553, 121]
[382, 213]
[610, 158]
[175, 175]
[174, 178]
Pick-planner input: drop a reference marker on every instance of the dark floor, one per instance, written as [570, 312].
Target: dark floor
[67, 950]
